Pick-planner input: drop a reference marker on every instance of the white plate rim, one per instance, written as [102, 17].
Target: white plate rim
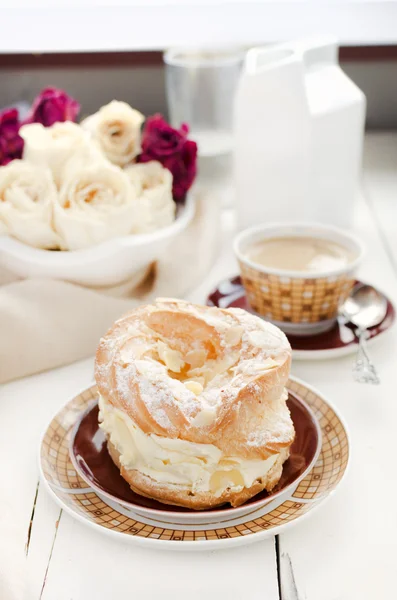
[207, 544]
[234, 512]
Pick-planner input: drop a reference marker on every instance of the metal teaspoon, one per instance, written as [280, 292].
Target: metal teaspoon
[365, 307]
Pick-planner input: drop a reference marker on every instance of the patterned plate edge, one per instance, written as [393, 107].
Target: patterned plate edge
[221, 537]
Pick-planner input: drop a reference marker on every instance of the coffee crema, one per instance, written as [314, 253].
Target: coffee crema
[295, 253]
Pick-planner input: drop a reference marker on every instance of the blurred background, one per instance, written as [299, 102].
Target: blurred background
[99, 50]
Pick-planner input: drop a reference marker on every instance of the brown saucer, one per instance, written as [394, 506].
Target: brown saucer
[338, 341]
[192, 530]
[91, 459]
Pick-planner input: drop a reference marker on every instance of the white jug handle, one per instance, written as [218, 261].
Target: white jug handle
[311, 51]
[315, 50]
[261, 58]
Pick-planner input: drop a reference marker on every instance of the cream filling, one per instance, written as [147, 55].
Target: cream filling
[196, 467]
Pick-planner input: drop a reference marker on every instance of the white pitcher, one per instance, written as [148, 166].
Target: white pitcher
[299, 123]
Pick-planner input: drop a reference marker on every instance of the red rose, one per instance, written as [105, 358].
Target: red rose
[173, 150]
[11, 143]
[160, 139]
[51, 106]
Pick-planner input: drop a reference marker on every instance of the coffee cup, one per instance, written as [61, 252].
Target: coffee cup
[298, 275]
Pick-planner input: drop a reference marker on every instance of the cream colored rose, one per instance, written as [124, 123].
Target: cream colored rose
[117, 129]
[27, 198]
[153, 184]
[55, 146]
[96, 203]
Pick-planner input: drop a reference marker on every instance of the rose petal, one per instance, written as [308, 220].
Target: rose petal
[53, 105]
[11, 144]
[160, 139]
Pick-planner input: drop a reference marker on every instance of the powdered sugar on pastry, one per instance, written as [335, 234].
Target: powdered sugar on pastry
[202, 375]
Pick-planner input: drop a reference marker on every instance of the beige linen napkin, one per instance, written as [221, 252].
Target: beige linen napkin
[46, 323]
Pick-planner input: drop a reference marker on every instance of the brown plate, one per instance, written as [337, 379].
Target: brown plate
[92, 461]
[338, 341]
[185, 530]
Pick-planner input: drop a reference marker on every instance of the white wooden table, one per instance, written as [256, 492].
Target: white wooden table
[346, 550]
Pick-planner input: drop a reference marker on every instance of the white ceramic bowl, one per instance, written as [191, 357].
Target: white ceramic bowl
[106, 264]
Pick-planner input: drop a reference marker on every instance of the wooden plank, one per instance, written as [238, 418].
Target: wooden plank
[380, 185]
[42, 539]
[88, 565]
[347, 548]
[26, 406]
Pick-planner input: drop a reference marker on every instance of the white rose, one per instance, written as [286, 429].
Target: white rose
[27, 198]
[95, 203]
[116, 127]
[54, 146]
[153, 184]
